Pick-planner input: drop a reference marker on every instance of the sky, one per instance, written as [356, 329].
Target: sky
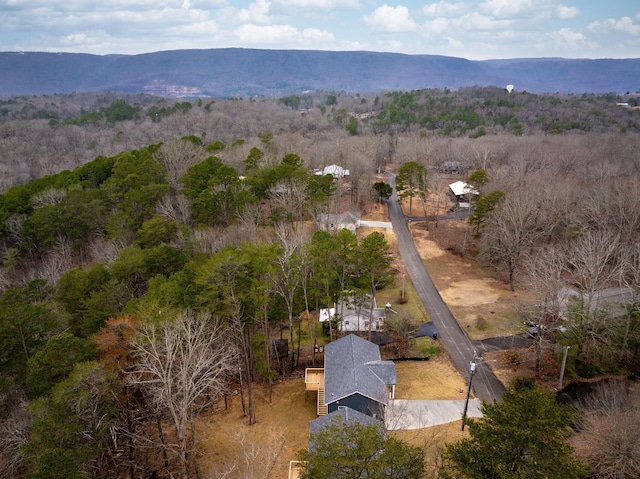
[475, 30]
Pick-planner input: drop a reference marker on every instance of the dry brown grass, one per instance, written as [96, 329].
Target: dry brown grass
[282, 425]
[482, 304]
[470, 293]
[433, 379]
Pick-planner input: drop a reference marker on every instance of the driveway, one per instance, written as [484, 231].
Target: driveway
[461, 350]
[404, 414]
[376, 224]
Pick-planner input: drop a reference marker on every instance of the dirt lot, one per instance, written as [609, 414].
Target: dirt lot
[282, 428]
[483, 304]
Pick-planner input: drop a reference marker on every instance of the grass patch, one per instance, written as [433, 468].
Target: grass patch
[427, 347]
[411, 308]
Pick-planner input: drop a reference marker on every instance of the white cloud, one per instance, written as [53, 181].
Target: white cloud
[478, 22]
[249, 33]
[195, 29]
[467, 28]
[207, 4]
[258, 12]
[79, 39]
[319, 4]
[281, 34]
[391, 19]
[394, 44]
[314, 34]
[453, 43]
[436, 26]
[569, 40]
[567, 13]
[571, 36]
[445, 9]
[624, 25]
[355, 46]
[507, 8]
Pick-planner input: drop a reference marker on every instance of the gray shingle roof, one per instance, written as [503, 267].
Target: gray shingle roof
[353, 365]
[348, 217]
[348, 417]
[385, 370]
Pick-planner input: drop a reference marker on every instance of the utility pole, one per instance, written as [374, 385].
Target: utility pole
[472, 370]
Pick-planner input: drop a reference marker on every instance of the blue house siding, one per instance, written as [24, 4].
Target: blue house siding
[359, 403]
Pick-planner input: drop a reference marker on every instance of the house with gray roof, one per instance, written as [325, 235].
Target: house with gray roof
[346, 416]
[348, 220]
[356, 377]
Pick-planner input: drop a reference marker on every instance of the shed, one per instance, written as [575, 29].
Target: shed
[463, 192]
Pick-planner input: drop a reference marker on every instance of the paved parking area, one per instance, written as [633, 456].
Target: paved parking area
[404, 414]
[376, 224]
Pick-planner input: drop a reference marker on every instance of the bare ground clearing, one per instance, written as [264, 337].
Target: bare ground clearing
[482, 304]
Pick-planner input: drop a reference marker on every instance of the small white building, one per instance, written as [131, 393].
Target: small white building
[463, 192]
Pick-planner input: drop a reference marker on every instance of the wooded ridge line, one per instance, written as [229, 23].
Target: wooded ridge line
[236, 72]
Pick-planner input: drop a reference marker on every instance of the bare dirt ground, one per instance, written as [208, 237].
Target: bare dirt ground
[482, 303]
[282, 428]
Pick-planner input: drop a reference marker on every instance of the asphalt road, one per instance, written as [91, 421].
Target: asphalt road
[484, 384]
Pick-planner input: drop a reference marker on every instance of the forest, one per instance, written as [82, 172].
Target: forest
[151, 249]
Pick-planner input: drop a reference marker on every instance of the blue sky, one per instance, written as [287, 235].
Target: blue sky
[474, 30]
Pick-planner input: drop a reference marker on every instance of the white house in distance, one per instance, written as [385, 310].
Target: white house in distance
[354, 315]
[336, 171]
[463, 191]
[348, 220]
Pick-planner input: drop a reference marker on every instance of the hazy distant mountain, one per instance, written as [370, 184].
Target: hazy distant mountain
[235, 72]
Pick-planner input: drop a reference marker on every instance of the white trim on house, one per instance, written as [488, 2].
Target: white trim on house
[348, 220]
[336, 171]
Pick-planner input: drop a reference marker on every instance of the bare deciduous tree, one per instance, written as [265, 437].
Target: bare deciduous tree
[544, 279]
[592, 266]
[182, 364]
[252, 459]
[14, 434]
[610, 435]
[511, 227]
[177, 156]
[287, 279]
[175, 208]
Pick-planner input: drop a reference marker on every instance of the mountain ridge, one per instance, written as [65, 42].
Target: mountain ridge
[236, 72]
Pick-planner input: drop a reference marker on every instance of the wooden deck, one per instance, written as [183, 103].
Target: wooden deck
[314, 378]
[314, 381]
[294, 469]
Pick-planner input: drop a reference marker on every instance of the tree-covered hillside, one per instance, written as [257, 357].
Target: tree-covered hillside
[42, 135]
